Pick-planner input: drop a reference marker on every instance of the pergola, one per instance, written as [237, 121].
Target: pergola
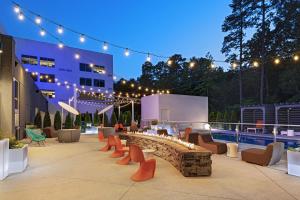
[288, 114]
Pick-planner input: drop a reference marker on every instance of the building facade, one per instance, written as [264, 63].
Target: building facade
[58, 71]
[20, 99]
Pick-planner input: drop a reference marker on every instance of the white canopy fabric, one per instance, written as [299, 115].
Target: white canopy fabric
[68, 108]
[106, 109]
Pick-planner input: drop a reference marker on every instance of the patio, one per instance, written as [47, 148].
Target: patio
[80, 171]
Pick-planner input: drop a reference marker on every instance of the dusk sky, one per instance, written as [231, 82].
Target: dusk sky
[190, 27]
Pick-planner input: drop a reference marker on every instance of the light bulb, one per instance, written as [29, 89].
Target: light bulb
[38, 20]
[212, 65]
[91, 65]
[192, 64]
[60, 29]
[169, 62]
[82, 38]
[77, 56]
[255, 64]
[234, 65]
[21, 16]
[295, 57]
[42, 32]
[148, 58]
[17, 9]
[105, 46]
[127, 52]
[60, 45]
[115, 78]
[277, 61]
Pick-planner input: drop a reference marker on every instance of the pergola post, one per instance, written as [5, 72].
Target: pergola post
[119, 112]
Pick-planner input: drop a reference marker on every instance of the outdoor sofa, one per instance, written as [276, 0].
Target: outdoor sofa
[206, 141]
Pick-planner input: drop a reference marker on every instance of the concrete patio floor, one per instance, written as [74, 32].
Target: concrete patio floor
[80, 171]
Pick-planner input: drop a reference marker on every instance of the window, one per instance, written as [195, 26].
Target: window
[84, 67]
[48, 93]
[99, 83]
[26, 59]
[16, 94]
[47, 62]
[99, 69]
[34, 75]
[86, 81]
[47, 78]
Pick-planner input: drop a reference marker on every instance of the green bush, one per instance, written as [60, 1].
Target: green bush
[68, 122]
[121, 118]
[127, 118]
[113, 119]
[47, 120]
[87, 118]
[77, 121]
[57, 120]
[96, 118]
[14, 143]
[38, 120]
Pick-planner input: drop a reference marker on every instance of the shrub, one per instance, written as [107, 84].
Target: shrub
[47, 120]
[38, 120]
[57, 121]
[68, 122]
[154, 122]
[96, 118]
[113, 119]
[87, 118]
[77, 121]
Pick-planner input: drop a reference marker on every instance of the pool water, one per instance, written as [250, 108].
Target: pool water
[257, 140]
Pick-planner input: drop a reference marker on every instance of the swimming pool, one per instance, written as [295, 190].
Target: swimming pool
[255, 139]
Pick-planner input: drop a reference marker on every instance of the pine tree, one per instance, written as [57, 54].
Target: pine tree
[47, 120]
[96, 118]
[87, 118]
[68, 122]
[57, 120]
[77, 121]
[113, 119]
[106, 122]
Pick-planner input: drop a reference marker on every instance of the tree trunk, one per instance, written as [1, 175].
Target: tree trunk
[263, 50]
[241, 54]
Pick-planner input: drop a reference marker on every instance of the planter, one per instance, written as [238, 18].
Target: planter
[68, 135]
[18, 159]
[4, 153]
[293, 158]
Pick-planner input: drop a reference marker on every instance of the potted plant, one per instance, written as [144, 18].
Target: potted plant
[77, 122]
[18, 156]
[154, 124]
[293, 158]
[57, 121]
[68, 134]
[4, 157]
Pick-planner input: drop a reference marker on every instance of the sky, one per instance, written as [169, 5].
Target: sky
[165, 27]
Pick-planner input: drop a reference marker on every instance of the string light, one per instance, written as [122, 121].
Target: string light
[60, 45]
[255, 64]
[105, 46]
[212, 65]
[192, 64]
[127, 52]
[42, 32]
[148, 58]
[38, 20]
[60, 30]
[132, 85]
[77, 56]
[91, 65]
[21, 16]
[169, 62]
[82, 38]
[234, 65]
[295, 57]
[114, 77]
[17, 9]
[277, 61]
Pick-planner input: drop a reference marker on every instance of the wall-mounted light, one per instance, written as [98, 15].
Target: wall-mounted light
[1, 48]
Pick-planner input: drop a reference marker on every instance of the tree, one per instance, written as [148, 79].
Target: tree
[96, 118]
[113, 119]
[235, 25]
[57, 120]
[68, 122]
[77, 121]
[47, 120]
[87, 118]
[38, 120]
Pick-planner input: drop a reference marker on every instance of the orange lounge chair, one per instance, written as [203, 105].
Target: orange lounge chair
[110, 143]
[120, 149]
[147, 167]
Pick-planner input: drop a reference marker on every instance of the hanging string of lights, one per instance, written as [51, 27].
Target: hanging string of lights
[38, 20]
